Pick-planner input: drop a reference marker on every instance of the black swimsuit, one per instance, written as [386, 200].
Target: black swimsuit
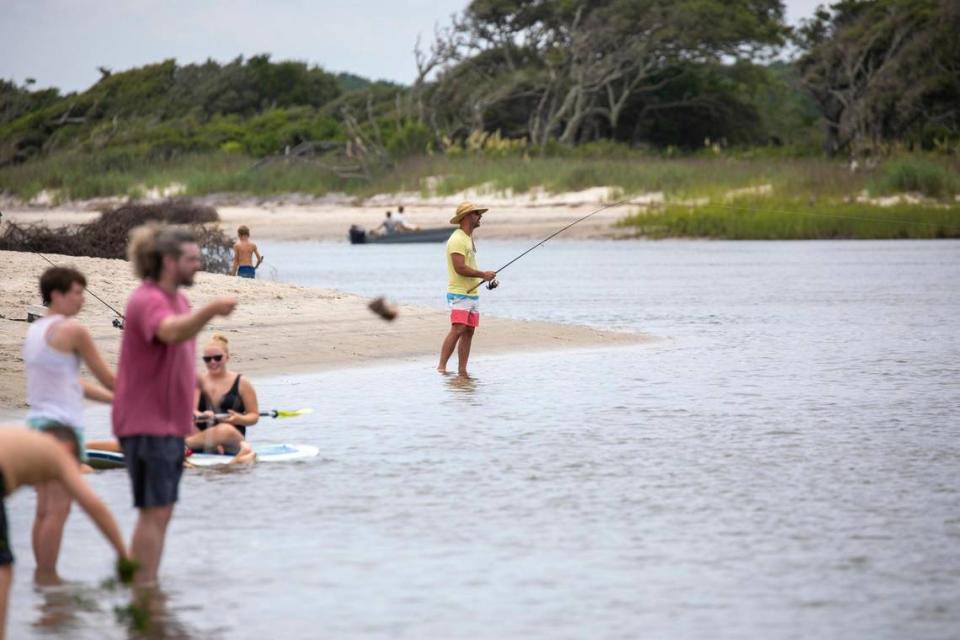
[231, 401]
[6, 556]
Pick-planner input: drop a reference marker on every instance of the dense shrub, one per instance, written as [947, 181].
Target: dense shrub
[106, 237]
[172, 109]
[916, 175]
[410, 139]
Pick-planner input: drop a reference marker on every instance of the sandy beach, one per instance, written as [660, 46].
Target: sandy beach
[277, 328]
[296, 217]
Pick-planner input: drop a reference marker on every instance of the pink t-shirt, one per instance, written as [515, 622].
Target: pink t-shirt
[155, 381]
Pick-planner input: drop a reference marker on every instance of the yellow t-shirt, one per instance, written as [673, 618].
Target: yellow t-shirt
[461, 243]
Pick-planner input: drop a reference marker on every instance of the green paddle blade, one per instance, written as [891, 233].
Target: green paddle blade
[293, 413]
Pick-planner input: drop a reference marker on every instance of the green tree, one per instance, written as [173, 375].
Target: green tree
[171, 108]
[884, 71]
[576, 68]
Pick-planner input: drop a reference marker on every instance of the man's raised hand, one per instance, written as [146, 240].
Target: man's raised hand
[223, 306]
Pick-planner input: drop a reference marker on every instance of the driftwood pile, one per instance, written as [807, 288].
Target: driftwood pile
[106, 237]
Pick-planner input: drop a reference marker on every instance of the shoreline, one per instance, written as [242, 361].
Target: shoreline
[277, 328]
[298, 218]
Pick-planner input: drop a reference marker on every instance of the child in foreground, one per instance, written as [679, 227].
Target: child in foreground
[32, 458]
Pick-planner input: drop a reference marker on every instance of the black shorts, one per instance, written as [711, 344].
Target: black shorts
[6, 553]
[155, 464]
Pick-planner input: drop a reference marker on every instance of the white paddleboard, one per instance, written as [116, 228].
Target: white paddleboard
[105, 459]
[265, 453]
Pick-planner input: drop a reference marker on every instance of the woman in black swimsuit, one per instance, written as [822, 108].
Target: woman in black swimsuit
[227, 394]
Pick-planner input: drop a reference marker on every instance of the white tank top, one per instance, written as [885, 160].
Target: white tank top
[53, 377]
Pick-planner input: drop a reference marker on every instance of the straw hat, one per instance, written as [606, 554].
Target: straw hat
[464, 210]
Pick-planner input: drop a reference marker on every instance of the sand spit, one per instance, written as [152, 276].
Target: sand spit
[302, 217]
[277, 328]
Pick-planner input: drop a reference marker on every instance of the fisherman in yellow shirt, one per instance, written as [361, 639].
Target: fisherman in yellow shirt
[463, 281]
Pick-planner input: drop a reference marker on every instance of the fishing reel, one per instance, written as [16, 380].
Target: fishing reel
[493, 284]
[118, 323]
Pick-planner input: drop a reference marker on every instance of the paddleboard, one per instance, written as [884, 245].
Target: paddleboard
[104, 459]
[265, 453]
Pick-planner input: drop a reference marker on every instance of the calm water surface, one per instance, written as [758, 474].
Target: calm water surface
[783, 463]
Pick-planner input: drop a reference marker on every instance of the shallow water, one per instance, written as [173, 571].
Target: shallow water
[782, 464]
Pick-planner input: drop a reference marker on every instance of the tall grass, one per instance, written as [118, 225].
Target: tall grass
[780, 218]
[126, 172]
[76, 177]
[635, 174]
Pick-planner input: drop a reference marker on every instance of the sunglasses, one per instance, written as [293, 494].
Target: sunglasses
[216, 358]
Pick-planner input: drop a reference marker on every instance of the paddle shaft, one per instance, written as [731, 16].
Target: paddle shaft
[263, 414]
[273, 413]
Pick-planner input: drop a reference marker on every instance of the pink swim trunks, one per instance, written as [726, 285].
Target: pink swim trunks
[464, 309]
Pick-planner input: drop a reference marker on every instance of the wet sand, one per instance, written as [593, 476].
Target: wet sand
[277, 328]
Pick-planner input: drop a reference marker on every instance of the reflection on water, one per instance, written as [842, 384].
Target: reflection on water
[149, 615]
[461, 384]
[59, 603]
[73, 609]
[782, 465]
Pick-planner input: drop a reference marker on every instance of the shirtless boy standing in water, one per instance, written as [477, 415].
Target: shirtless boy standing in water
[243, 252]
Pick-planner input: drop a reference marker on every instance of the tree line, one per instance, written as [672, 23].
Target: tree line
[864, 73]
[858, 77]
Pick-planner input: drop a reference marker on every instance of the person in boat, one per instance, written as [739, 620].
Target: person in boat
[243, 252]
[46, 459]
[401, 221]
[157, 380]
[387, 226]
[463, 280]
[54, 348]
[226, 404]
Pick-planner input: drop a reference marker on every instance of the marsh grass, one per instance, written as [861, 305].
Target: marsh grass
[786, 218]
[694, 176]
[132, 172]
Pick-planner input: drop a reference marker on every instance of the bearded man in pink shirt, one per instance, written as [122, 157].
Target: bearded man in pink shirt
[156, 380]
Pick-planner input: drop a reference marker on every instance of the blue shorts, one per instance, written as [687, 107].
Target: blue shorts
[154, 464]
[246, 271]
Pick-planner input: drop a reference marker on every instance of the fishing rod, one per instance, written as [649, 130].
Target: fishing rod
[493, 284]
[117, 322]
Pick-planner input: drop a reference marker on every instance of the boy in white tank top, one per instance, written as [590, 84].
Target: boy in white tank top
[52, 352]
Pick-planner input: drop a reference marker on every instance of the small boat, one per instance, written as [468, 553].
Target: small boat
[359, 235]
